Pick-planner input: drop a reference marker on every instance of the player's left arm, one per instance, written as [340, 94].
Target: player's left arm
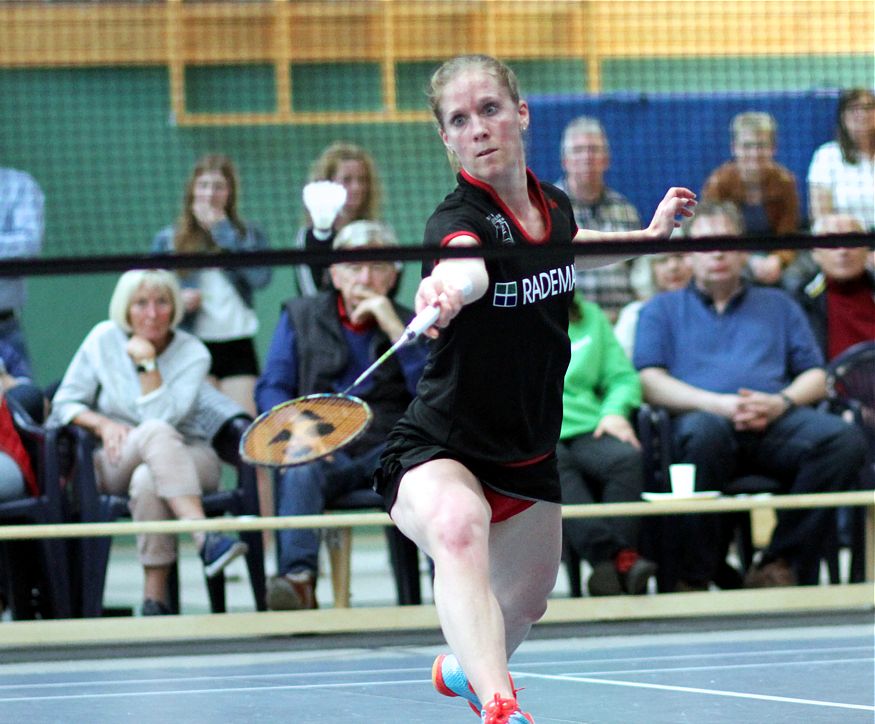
[677, 202]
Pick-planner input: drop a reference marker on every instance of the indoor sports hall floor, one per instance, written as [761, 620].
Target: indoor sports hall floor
[763, 669]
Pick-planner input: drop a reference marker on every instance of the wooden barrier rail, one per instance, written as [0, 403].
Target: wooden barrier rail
[282, 33]
[393, 618]
[860, 498]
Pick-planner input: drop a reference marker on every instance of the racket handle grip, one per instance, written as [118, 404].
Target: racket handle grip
[422, 321]
[428, 316]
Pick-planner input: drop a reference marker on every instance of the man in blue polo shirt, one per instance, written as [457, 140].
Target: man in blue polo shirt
[738, 367]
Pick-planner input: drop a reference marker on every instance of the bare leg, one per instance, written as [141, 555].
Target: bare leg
[441, 507]
[526, 551]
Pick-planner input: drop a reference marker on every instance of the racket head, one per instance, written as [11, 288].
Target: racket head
[304, 429]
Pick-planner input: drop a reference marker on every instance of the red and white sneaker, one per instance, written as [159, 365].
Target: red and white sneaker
[504, 711]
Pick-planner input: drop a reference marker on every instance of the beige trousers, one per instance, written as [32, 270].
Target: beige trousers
[157, 463]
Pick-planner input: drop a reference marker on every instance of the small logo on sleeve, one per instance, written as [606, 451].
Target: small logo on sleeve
[502, 228]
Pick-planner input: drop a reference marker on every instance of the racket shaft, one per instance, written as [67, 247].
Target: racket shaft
[382, 358]
[421, 322]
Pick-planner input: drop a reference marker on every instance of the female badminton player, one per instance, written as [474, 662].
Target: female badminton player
[469, 472]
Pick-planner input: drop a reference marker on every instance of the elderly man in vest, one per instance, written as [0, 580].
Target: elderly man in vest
[322, 344]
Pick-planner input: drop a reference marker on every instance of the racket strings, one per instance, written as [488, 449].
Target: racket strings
[306, 429]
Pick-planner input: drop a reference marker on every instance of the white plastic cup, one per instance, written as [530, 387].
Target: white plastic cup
[683, 479]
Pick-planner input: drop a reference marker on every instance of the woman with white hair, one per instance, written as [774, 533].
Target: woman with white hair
[133, 383]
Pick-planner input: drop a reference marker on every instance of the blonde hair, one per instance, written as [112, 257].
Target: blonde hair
[131, 281]
[461, 63]
[836, 224]
[451, 68]
[326, 166]
[756, 121]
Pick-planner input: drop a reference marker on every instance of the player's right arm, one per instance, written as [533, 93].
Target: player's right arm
[452, 284]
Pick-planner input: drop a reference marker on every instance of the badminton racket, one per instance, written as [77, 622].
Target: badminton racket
[311, 427]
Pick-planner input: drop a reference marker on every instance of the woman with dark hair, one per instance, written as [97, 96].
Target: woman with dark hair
[219, 302]
[841, 177]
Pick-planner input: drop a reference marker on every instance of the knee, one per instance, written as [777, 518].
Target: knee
[145, 503]
[526, 604]
[142, 484]
[156, 433]
[525, 615]
[623, 461]
[459, 529]
[297, 483]
[698, 433]
[846, 448]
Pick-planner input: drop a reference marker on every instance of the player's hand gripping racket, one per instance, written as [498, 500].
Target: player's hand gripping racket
[307, 428]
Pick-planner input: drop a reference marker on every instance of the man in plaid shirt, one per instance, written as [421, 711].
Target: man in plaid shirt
[585, 159]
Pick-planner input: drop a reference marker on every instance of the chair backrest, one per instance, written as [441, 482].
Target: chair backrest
[45, 447]
[851, 377]
[653, 428]
[226, 441]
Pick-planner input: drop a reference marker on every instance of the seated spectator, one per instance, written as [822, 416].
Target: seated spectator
[586, 158]
[353, 168]
[738, 367]
[322, 344]
[839, 300]
[17, 476]
[22, 222]
[841, 177]
[16, 473]
[219, 302]
[598, 454]
[134, 383]
[763, 190]
[667, 272]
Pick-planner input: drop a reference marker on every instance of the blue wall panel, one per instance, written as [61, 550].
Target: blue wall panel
[659, 141]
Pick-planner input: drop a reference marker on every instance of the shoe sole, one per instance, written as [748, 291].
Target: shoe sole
[282, 597]
[604, 582]
[217, 566]
[637, 585]
[441, 686]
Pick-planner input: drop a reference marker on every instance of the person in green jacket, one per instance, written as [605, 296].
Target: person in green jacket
[599, 454]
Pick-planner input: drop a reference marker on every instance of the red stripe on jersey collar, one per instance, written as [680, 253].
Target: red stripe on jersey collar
[536, 194]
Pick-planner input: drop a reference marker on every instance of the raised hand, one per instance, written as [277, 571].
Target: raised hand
[678, 201]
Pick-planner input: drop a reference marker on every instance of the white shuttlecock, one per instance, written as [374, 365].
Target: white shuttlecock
[324, 200]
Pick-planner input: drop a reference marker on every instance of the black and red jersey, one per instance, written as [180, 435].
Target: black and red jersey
[492, 387]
